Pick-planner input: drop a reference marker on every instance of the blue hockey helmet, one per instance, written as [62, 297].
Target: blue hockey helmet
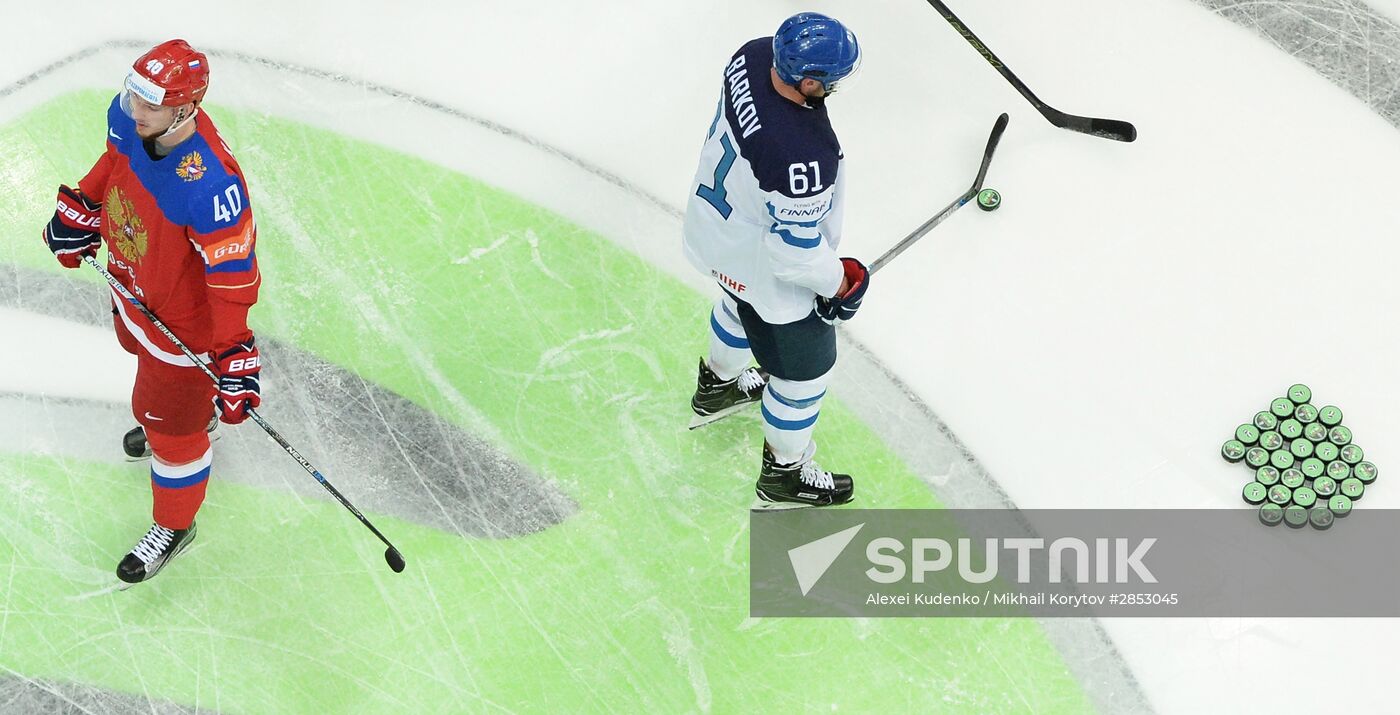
[814, 46]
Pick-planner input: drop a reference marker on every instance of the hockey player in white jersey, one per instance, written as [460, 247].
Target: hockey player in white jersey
[764, 220]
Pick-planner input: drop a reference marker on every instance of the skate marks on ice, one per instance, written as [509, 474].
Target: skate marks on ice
[388, 454]
[1345, 41]
[59, 698]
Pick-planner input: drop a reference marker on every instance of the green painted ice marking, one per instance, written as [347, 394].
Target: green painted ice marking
[569, 351]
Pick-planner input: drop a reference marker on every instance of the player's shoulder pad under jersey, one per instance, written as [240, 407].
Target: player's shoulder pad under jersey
[792, 148]
[217, 197]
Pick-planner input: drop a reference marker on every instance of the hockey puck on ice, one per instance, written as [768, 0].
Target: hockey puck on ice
[1290, 428]
[1267, 475]
[1338, 470]
[1282, 407]
[1352, 453]
[1339, 435]
[1326, 451]
[1301, 448]
[988, 200]
[1330, 416]
[1280, 494]
[1254, 492]
[1352, 488]
[1305, 414]
[1339, 505]
[1299, 394]
[1248, 434]
[1365, 471]
[1265, 420]
[1270, 514]
[1321, 517]
[1271, 440]
[1325, 487]
[1315, 432]
[1232, 451]
[1256, 457]
[1281, 458]
[1304, 497]
[1295, 516]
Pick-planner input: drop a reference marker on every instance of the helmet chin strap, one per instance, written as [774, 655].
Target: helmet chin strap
[180, 121]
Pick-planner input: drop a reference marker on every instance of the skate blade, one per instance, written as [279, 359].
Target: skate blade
[697, 421]
[761, 503]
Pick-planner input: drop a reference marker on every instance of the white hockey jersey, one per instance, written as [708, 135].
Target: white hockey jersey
[765, 210]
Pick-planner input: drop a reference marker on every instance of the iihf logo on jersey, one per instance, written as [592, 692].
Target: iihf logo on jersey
[127, 230]
[191, 167]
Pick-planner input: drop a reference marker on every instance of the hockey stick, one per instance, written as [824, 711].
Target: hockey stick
[1115, 129]
[928, 225]
[392, 554]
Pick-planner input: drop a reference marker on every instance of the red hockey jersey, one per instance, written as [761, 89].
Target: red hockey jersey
[180, 235]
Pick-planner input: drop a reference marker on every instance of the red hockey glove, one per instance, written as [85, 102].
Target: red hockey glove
[844, 306]
[238, 369]
[73, 231]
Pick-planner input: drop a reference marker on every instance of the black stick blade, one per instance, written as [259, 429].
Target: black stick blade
[1115, 129]
[394, 558]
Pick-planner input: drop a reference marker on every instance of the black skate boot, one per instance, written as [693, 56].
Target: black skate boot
[787, 486]
[153, 552]
[136, 448]
[715, 398]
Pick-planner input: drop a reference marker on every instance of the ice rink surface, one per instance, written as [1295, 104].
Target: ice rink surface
[482, 329]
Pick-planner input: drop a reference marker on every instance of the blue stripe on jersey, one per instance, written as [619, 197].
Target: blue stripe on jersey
[733, 341]
[787, 425]
[792, 240]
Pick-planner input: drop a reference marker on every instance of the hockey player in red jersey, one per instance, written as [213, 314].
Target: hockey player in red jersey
[171, 203]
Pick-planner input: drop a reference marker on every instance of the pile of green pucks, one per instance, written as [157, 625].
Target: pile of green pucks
[1307, 469]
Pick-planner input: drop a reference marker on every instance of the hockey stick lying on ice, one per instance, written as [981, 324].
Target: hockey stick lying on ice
[919, 232]
[392, 554]
[1114, 129]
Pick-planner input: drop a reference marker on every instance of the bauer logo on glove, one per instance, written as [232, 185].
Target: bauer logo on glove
[239, 388]
[73, 231]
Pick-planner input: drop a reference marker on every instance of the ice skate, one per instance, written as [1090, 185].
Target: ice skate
[153, 552]
[136, 447]
[804, 483]
[715, 398]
